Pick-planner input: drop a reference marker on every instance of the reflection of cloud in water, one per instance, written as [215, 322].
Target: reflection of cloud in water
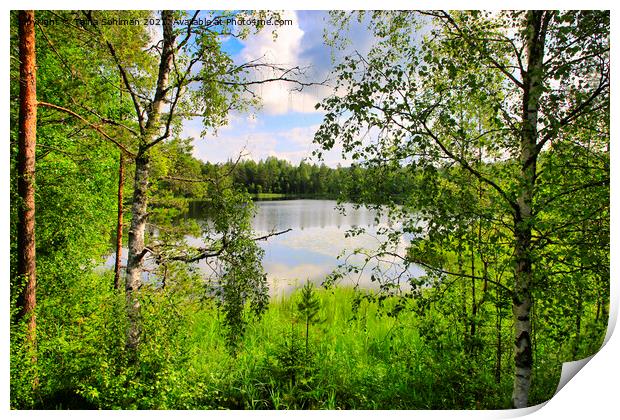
[283, 278]
[311, 249]
[288, 268]
[329, 241]
[305, 214]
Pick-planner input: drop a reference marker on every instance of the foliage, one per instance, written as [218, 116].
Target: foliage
[278, 176]
[366, 361]
[508, 158]
[241, 282]
[441, 159]
[308, 308]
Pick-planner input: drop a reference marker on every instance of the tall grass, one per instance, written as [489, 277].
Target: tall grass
[359, 358]
[361, 355]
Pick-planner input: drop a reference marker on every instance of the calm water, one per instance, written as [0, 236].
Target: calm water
[310, 250]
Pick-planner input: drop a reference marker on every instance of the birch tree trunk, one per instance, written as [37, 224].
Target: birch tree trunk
[135, 237]
[522, 300]
[135, 255]
[26, 175]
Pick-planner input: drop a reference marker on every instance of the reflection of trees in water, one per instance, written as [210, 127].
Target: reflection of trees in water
[311, 250]
[304, 214]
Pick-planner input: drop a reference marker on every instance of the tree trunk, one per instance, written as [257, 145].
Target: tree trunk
[135, 237]
[459, 259]
[27, 140]
[474, 307]
[522, 299]
[307, 334]
[136, 251]
[498, 344]
[119, 223]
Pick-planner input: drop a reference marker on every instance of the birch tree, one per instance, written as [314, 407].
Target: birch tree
[194, 78]
[494, 94]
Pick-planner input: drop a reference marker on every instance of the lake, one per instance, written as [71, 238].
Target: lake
[318, 236]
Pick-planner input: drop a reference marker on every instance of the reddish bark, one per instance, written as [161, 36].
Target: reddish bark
[26, 170]
[27, 139]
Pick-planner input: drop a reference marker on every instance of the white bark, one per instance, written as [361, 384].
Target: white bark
[135, 238]
[522, 300]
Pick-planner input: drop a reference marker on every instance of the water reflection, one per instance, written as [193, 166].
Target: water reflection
[310, 250]
[304, 214]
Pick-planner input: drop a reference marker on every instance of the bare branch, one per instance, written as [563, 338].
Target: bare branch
[174, 178]
[189, 31]
[287, 74]
[269, 235]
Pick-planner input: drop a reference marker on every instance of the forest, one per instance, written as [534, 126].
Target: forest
[477, 142]
[280, 178]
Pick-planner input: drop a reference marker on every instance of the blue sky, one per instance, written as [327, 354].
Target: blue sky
[285, 124]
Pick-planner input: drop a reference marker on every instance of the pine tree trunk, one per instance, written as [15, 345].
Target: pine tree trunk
[119, 223]
[27, 139]
[522, 299]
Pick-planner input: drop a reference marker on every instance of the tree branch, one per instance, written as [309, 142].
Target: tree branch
[90, 124]
[124, 77]
[269, 235]
[600, 183]
[466, 165]
[468, 39]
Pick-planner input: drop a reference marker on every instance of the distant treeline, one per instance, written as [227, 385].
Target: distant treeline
[279, 176]
[176, 170]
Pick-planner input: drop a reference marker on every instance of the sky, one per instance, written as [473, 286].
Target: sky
[285, 123]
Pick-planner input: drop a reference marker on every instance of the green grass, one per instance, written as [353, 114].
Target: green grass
[358, 359]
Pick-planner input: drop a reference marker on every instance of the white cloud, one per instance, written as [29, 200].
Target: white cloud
[251, 120]
[265, 134]
[226, 146]
[301, 136]
[293, 156]
[285, 50]
[293, 144]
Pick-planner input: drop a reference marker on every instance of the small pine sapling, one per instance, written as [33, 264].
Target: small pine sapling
[308, 308]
